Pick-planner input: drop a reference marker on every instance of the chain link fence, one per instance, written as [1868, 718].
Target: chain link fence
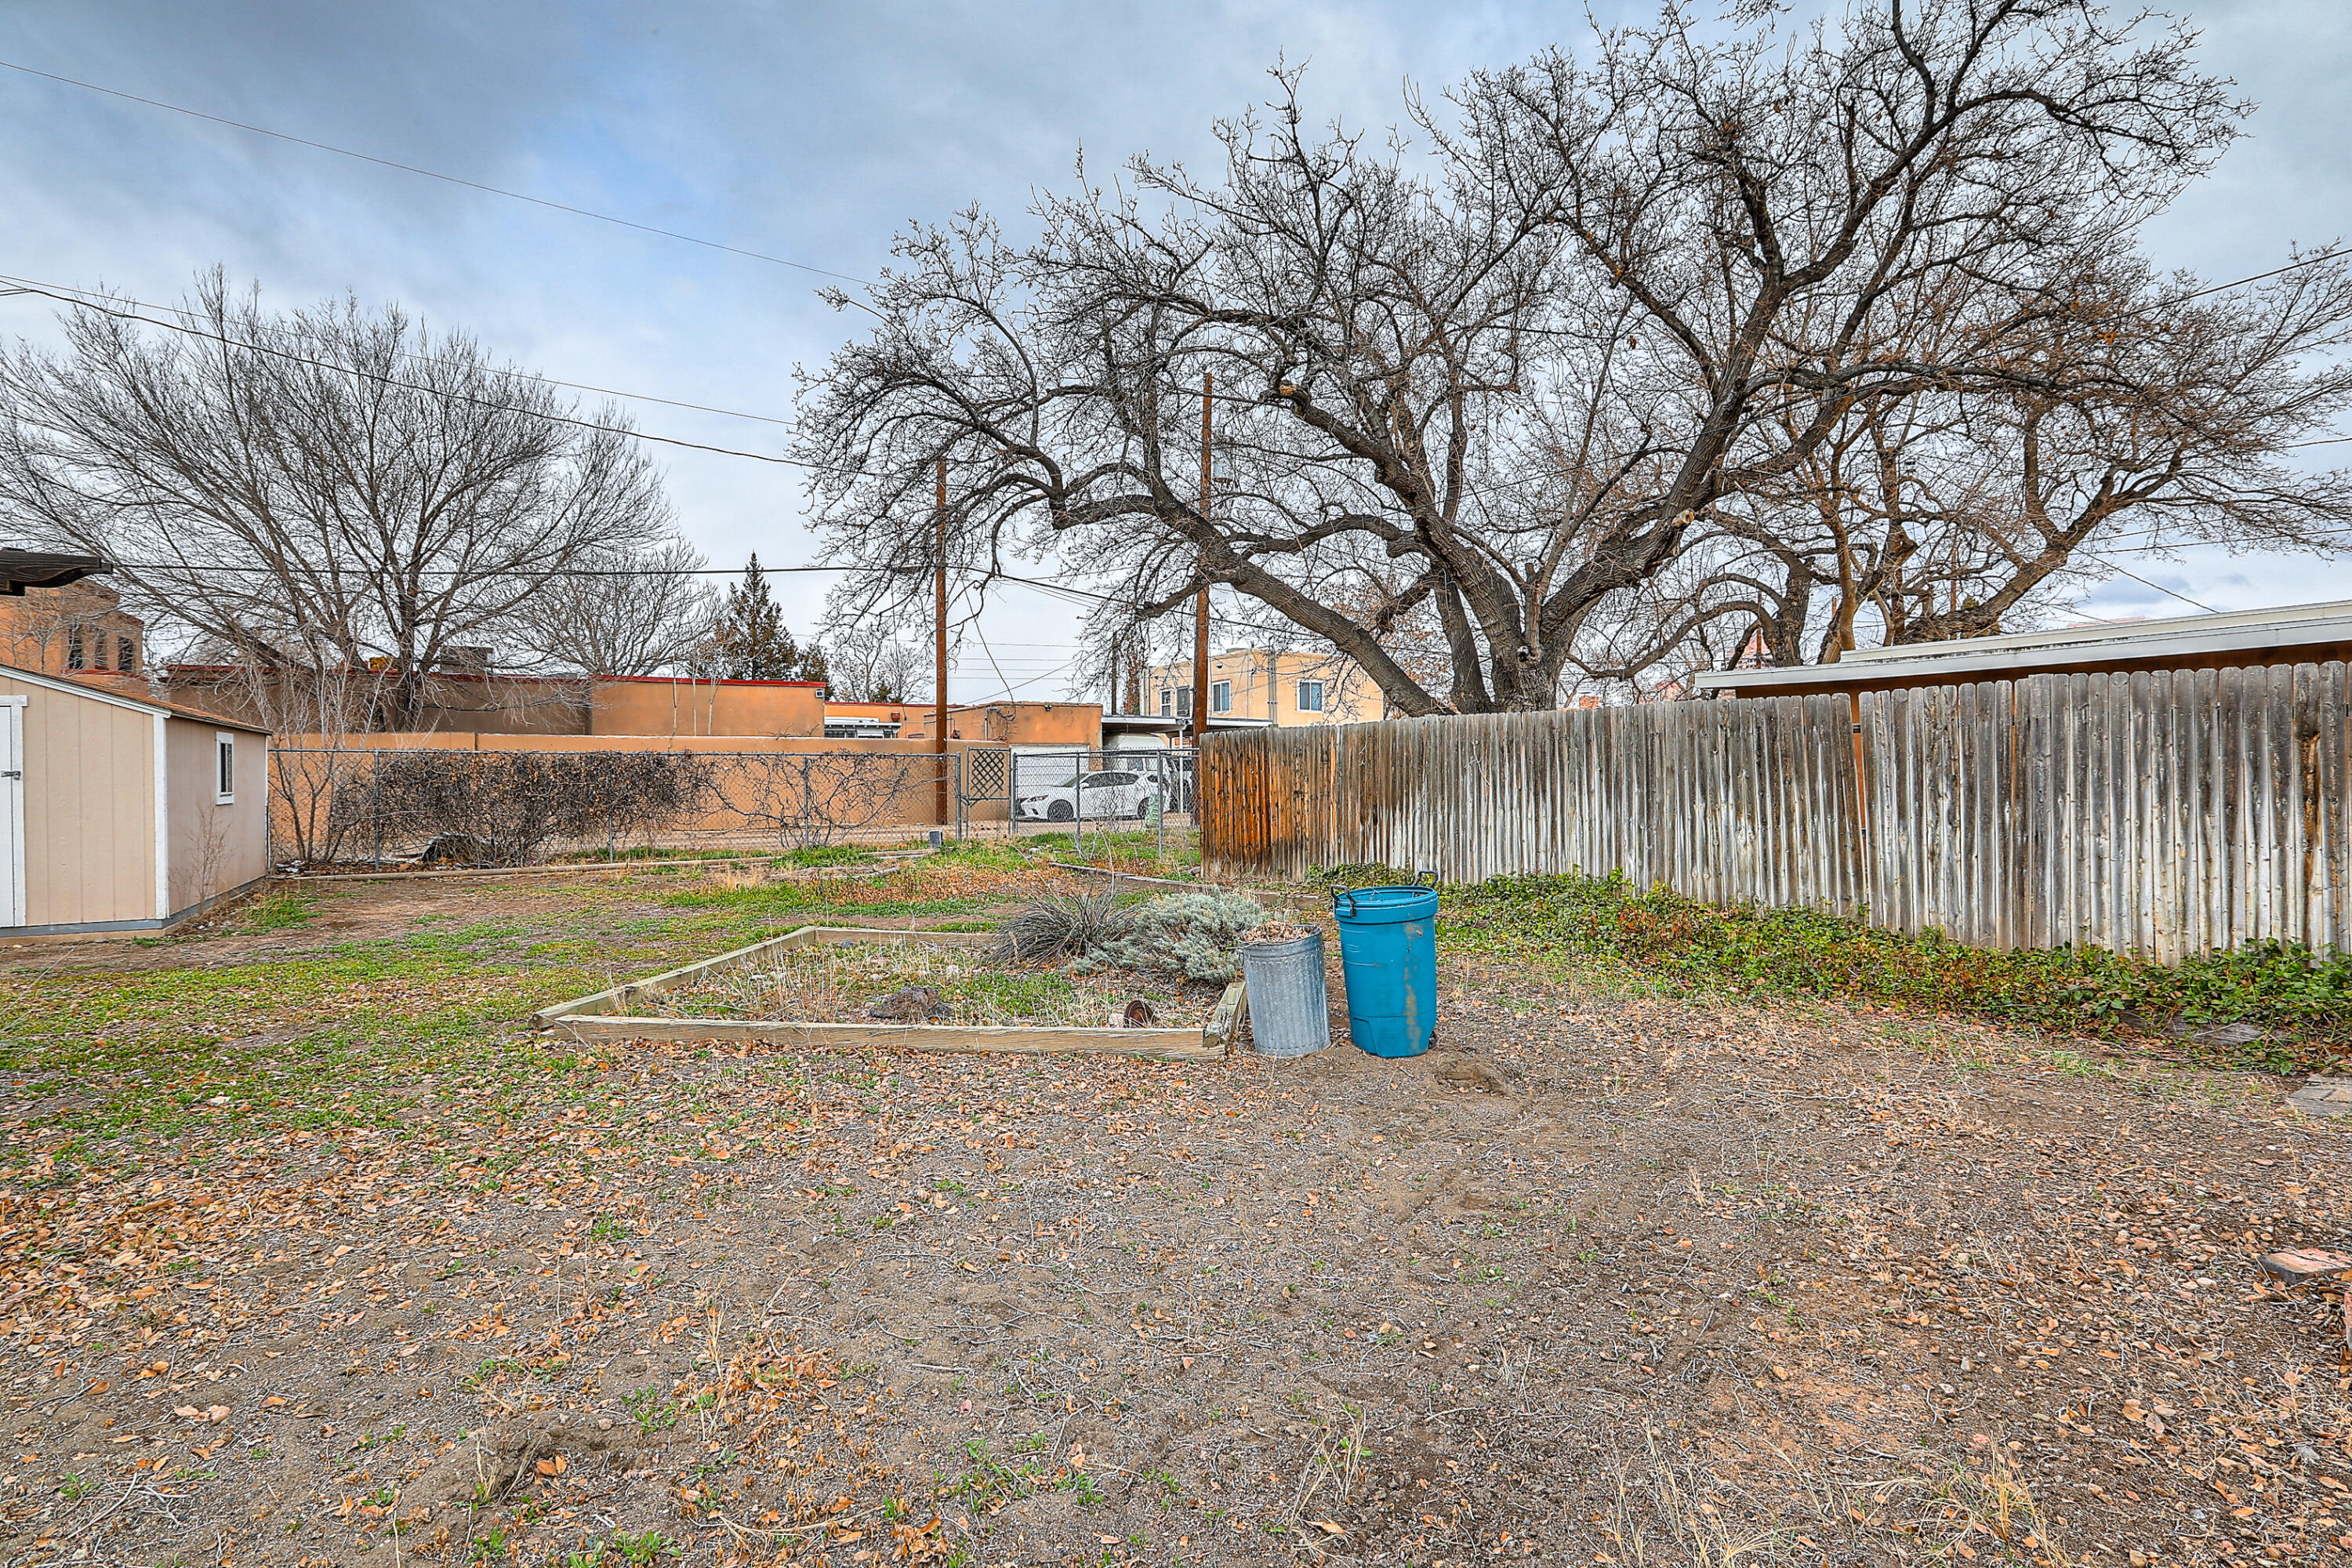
[434, 807]
[344, 807]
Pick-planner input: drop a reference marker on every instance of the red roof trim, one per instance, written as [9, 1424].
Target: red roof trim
[522, 679]
[702, 680]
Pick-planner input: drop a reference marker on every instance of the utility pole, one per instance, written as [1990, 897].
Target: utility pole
[1201, 606]
[939, 644]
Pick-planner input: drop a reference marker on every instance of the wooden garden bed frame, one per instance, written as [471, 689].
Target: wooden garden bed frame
[606, 1015]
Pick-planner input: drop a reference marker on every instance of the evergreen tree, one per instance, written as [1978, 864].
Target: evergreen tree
[750, 640]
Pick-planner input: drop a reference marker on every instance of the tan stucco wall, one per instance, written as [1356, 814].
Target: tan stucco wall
[89, 808]
[1017, 723]
[662, 707]
[215, 848]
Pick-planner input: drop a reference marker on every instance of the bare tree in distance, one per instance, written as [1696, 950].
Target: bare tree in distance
[324, 489]
[1506, 381]
[869, 663]
[627, 611]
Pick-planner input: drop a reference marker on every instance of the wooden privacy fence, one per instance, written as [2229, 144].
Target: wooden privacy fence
[2159, 812]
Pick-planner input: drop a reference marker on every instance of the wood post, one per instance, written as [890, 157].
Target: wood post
[1201, 606]
[940, 649]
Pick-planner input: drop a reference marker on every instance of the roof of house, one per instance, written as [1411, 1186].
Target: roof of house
[2261, 637]
[121, 700]
[22, 569]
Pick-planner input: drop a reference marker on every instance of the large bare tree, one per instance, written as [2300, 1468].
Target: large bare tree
[1499, 380]
[2160, 414]
[324, 492]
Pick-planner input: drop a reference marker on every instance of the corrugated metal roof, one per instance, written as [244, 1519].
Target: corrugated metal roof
[2185, 637]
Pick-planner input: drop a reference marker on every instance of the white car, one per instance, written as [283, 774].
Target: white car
[1111, 792]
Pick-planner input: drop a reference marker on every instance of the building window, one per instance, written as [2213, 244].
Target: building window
[1184, 702]
[225, 765]
[128, 650]
[1167, 703]
[1311, 697]
[76, 658]
[1221, 697]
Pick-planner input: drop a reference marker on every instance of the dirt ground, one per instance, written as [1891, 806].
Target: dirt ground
[1602, 1278]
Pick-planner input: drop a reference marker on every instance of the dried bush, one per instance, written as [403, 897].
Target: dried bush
[1061, 925]
[502, 809]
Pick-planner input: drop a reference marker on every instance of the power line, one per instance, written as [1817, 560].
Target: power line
[22, 287]
[93, 298]
[2157, 586]
[203, 569]
[432, 175]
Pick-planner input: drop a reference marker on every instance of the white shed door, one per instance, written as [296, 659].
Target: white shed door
[12, 813]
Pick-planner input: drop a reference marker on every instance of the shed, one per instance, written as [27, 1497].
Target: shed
[2293, 634]
[120, 813]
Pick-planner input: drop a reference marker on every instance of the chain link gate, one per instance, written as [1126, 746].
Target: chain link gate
[984, 777]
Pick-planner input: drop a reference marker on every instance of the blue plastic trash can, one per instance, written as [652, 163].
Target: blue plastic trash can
[1388, 956]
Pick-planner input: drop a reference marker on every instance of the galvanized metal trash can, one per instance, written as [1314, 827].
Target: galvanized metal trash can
[1289, 1012]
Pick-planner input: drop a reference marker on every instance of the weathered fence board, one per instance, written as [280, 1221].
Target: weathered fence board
[2165, 812]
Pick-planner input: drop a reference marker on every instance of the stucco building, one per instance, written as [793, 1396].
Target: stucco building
[462, 702]
[1282, 686]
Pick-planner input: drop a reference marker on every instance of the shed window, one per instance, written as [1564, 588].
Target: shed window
[224, 766]
[1311, 697]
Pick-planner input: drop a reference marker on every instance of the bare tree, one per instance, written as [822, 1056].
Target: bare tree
[2165, 415]
[1507, 381]
[627, 611]
[870, 664]
[327, 490]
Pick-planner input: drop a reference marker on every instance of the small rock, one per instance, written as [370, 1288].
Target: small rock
[2299, 1265]
[1139, 1016]
[604, 1423]
[910, 1005]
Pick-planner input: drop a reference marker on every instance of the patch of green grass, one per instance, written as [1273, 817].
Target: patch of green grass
[294, 1040]
[281, 908]
[654, 1414]
[641, 1549]
[1123, 849]
[2300, 996]
[800, 903]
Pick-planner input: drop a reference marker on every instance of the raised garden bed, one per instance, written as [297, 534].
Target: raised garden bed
[822, 994]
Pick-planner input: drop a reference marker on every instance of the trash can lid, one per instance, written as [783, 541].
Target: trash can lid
[1383, 904]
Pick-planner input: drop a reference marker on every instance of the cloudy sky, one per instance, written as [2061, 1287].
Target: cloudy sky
[813, 132]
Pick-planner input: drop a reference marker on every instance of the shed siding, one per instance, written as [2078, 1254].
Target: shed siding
[215, 848]
[89, 808]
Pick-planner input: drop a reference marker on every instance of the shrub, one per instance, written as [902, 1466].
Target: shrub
[504, 807]
[1188, 934]
[2283, 988]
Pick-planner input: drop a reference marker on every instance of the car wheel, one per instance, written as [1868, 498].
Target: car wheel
[1060, 811]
